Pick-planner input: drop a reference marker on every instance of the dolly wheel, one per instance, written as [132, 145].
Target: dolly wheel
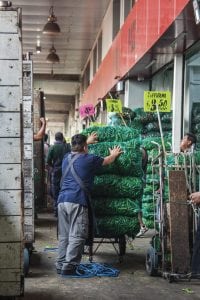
[26, 261]
[152, 262]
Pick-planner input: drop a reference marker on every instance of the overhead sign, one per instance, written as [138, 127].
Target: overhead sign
[114, 105]
[152, 99]
[86, 110]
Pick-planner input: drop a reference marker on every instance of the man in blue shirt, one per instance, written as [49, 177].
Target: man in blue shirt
[74, 206]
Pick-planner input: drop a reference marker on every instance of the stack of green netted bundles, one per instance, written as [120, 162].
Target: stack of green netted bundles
[117, 190]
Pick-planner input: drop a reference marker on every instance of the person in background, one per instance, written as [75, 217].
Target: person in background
[75, 214]
[143, 227]
[55, 156]
[188, 142]
[39, 135]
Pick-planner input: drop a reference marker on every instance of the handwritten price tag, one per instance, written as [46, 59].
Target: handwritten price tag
[114, 105]
[86, 110]
[162, 99]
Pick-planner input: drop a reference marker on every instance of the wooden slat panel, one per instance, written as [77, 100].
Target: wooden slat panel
[10, 176]
[12, 74]
[28, 135]
[10, 275]
[10, 125]
[28, 168]
[27, 106]
[28, 151]
[8, 22]
[10, 257]
[28, 220]
[9, 45]
[28, 200]
[10, 98]
[28, 183]
[10, 150]
[10, 203]
[11, 289]
[179, 224]
[29, 233]
[27, 120]
[11, 229]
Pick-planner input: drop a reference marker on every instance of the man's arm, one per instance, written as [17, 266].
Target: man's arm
[195, 198]
[92, 138]
[114, 153]
[39, 135]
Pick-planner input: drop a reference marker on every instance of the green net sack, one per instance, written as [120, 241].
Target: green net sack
[144, 117]
[113, 133]
[149, 143]
[195, 109]
[117, 186]
[128, 163]
[116, 206]
[124, 119]
[149, 223]
[166, 117]
[116, 226]
[154, 126]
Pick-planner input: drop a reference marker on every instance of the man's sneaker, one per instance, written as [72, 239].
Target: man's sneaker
[73, 272]
[142, 231]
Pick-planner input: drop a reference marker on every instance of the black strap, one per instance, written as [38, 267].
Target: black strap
[91, 216]
[71, 160]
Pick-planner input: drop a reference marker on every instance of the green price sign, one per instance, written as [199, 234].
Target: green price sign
[114, 105]
[152, 99]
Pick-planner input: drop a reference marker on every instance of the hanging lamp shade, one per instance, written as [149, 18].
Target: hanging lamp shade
[52, 57]
[51, 27]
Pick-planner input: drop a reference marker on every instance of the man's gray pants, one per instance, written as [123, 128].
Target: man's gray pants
[72, 234]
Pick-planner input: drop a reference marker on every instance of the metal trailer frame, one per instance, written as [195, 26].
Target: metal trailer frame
[156, 260]
[11, 157]
[118, 243]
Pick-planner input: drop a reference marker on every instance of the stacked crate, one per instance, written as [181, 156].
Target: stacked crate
[11, 183]
[28, 153]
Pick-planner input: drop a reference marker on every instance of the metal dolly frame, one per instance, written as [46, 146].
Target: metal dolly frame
[156, 256]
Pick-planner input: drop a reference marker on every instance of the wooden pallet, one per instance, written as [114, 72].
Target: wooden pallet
[179, 223]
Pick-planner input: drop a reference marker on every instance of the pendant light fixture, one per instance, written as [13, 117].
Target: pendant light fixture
[51, 28]
[52, 57]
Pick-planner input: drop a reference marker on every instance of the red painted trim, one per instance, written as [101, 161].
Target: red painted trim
[145, 24]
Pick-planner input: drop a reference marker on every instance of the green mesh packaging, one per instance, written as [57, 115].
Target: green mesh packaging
[128, 163]
[144, 117]
[116, 206]
[115, 185]
[154, 126]
[148, 145]
[117, 226]
[149, 222]
[113, 133]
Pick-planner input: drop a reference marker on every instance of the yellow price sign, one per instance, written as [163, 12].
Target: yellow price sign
[162, 99]
[96, 124]
[114, 105]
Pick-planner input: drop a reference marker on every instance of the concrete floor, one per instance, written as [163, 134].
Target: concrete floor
[43, 283]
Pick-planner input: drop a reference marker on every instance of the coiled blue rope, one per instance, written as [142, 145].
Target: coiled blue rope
[92, 269]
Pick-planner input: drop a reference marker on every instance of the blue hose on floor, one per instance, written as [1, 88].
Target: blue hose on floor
[92, 269]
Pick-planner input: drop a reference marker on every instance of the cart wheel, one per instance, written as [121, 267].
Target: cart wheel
[152, 262]
[26, 261]
[122, 245]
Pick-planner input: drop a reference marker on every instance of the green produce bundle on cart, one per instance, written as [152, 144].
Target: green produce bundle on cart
[117, 191]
